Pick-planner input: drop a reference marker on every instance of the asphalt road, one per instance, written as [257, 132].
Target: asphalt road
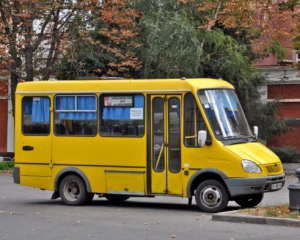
[27, 213]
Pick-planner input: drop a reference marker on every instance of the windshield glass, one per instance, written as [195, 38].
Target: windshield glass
[224, 113]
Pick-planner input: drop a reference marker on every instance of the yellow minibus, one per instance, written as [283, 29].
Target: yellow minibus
[121, 138]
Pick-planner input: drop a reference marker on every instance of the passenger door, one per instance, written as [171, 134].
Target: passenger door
[165, 156]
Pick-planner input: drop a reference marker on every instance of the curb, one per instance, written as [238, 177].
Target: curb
[240, 218]
[5, 171]
[289, 173]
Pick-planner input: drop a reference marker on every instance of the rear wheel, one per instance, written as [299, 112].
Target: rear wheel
[211, 196]
[249, 201]
[72, 190]
[116, 197]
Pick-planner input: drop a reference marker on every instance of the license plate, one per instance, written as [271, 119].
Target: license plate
[276, 186]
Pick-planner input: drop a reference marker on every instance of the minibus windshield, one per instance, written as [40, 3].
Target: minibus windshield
[225, 115]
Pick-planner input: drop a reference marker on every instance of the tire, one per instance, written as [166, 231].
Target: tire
[72, 191]
[116, 197]
[249, 201]
[211, 196]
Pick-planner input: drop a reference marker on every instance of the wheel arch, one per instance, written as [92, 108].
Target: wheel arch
[67, 171]
[205, 174]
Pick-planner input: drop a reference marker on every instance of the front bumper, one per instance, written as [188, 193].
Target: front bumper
[247, 186]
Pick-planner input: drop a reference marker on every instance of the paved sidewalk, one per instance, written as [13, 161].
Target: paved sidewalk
[290, 168]
[270, 199]
[234, 216]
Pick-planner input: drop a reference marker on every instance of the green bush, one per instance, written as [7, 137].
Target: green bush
[287, 154]
[6, 165]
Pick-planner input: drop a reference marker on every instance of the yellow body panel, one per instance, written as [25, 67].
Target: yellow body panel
[254, 151]
[129, 182]
[122, 165]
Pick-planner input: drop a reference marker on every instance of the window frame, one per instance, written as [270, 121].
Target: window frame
[36, 125]
[122, 131]
[76, 109]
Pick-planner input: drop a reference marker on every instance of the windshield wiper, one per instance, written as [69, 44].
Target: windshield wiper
[247, 138]
[234, 138]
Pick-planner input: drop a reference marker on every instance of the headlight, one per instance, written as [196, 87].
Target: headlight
[250, 167]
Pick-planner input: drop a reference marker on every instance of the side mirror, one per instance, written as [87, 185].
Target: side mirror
[255, 130]
[202, 136]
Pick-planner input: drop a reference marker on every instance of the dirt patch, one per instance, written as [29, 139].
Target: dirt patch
[280, 211]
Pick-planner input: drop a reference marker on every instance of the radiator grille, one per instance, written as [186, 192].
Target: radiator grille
[274, 168]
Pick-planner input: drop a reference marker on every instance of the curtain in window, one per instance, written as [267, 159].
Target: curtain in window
[65, 103]
[40, 109]
[122, 113]
[80, 108]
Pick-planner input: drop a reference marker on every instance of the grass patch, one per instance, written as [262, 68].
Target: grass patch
[6, 165]
[280, 211]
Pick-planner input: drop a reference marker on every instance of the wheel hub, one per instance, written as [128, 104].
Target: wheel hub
[210, 196]
[74, 190]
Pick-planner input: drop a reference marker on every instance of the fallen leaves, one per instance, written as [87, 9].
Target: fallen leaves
[280, 211]
[202, 217]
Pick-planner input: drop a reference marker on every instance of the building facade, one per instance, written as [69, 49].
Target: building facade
[3, 115]
[6, 118]
[283, 83]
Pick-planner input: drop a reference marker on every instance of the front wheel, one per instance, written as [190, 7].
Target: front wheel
[211, 196]
[72, 190]
[249, 201]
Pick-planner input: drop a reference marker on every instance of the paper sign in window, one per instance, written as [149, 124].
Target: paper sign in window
[136, 113]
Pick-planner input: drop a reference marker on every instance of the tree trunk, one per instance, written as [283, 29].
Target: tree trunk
[14, 81]
[29, 64]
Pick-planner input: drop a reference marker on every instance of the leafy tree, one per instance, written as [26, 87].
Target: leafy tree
[190, 38]
[224, 58]
[106, 47]
[268, 23]
[31, 33]
[170, 45]
[218, 40]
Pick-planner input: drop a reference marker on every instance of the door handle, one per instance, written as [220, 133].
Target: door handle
[27, 148]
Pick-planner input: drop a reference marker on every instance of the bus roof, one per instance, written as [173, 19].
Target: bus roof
[121, 86]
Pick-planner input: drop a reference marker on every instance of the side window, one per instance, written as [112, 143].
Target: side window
[36, 115]
[122, 115]
[193, 121]
[75, 115]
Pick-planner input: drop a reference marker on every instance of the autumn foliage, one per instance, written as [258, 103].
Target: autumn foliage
[268, 22]
[116, 27]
